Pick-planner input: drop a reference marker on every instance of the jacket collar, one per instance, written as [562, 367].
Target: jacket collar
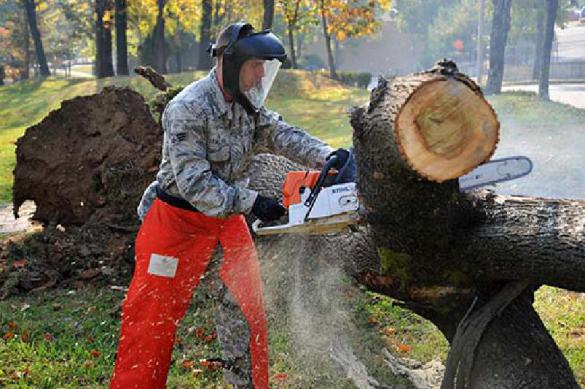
[222, 106]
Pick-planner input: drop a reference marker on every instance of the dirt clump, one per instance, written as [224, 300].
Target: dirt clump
[85, 166]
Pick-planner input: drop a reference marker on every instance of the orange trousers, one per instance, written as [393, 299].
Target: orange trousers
[173, 249]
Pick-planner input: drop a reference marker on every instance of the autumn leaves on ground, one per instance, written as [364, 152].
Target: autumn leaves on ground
[67, 337]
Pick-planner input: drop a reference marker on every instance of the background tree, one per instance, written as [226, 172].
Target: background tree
[498, 40]
[348, 19]
[543, 80]
[31, 14]
[160, 55]
[121, 39]
[103, 39]
[296, 13]
[453, 34]
[268, 14]
[540, 6]
[205, 35]
[13, 39]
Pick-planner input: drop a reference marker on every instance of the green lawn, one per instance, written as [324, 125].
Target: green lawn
[65, 338]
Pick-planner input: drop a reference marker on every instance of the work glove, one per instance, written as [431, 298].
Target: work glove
[345, 166]
[267, 209]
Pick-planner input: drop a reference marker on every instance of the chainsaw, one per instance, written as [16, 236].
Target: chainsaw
[323, 202]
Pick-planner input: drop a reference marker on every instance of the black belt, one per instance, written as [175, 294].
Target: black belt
[174, 201]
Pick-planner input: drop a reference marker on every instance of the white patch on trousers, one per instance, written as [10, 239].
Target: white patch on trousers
[164, 266]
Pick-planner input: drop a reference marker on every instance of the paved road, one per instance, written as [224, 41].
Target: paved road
[571, 43]
[573, 94]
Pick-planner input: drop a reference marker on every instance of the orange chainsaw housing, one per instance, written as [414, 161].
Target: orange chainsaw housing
[294, 181]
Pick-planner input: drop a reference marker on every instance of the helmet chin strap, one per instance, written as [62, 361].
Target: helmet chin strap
[218, 72]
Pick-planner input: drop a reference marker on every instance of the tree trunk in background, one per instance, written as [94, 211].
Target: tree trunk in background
[479, 64]
[99, 38]
[549, 33]
[299, 44]
[205, 36]
[217, 19]
[540, 22]
[268, 14]
[327, 36]
[160, 55]
[291, 43]
[108, 66]
[2, 75]
[31, 14]
[121, 40]
[498, 40]
[25, 71]
[103, 41]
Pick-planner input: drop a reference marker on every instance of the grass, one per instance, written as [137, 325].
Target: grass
[563, 314]
[526, 109]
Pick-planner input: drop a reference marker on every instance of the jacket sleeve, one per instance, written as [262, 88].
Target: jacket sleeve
[292, 142]
[185, 130]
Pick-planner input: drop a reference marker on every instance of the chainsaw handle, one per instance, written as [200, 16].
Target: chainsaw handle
[324, 172]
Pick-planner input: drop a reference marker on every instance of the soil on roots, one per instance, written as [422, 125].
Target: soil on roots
[85, 166]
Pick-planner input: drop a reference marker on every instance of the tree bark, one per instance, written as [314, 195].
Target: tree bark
[327, 36]
[204, 62]
[31, 14]
[479, 64]
[160, 55]
[268, 14]
[108, 66]
[498, 41]
[103, 41]
[540, 23]
[543, 80]
[26, 68]
[291, 43]
[121, 40]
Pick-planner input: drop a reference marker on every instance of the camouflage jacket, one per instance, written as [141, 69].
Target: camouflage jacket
[208, 143]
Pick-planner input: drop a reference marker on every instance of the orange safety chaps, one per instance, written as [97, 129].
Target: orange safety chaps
[173, 249]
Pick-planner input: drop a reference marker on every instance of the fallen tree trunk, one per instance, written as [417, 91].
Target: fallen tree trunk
[437, 247]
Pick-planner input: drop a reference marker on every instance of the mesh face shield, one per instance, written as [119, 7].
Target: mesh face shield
[257, 93]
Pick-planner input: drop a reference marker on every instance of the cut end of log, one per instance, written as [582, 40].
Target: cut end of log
[445, 129]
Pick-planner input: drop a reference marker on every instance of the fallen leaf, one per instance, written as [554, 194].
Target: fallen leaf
[88, 364]
[48, 337]
[188, 364]
[404, 348]
[95, 353]
[12, 325]
[9, 335]
[280, 376]
[25, 336]
[19, 263]
[24, 307]
[210, 338]
[90, 339]
[390, 331]
[200, 332]
[210, 365]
